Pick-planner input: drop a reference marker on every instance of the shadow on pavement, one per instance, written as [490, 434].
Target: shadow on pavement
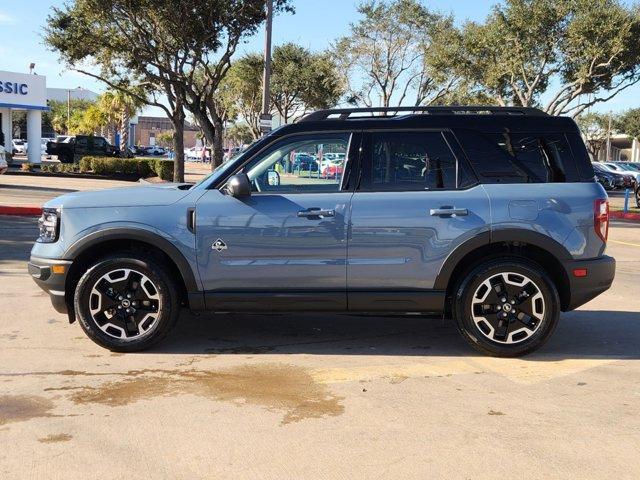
[580, 334]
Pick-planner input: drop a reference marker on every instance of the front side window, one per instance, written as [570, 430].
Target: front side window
[301, 164]
[412, 161]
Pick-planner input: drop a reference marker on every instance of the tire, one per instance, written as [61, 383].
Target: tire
[478, 306]
[154, 302]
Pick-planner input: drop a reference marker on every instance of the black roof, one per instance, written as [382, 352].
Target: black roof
[482, 118]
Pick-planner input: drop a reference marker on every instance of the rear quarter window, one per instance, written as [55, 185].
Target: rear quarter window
[520, 157]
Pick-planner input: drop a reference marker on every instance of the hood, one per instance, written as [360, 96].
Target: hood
[138, 196]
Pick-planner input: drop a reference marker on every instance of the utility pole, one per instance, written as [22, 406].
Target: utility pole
[609, 139]
[68, 109]
[265, 116]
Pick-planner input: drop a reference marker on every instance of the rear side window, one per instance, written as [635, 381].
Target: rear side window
[411, 161]
[520, 158]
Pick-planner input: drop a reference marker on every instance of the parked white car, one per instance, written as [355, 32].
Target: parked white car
[19, 146]
[3, 160]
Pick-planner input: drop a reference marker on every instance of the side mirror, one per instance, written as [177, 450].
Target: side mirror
[239, 185]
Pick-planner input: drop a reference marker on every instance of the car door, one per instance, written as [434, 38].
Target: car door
[285, 245]
[417, 201]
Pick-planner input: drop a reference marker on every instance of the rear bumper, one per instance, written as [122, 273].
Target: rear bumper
[52, 282]
[600, 274]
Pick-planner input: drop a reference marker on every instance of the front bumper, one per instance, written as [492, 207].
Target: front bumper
[600, 274]
[51, 275]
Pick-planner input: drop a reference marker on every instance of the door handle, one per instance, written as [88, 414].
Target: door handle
[316, 212]
[448, 212]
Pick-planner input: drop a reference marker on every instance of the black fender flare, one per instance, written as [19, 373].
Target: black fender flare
[139, 234]
[520, 235]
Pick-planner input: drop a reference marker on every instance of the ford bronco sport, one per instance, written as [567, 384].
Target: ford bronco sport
[491, 216]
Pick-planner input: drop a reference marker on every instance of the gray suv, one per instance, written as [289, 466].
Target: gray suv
[490, 216]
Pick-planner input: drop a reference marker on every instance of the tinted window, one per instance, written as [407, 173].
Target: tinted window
[520, 158]
[301, 164]
[411, 161]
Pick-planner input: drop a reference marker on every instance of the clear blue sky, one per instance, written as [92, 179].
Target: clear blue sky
[315, 25]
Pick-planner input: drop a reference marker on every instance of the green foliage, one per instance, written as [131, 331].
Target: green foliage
[240, 133]
[579, 52]
[165, 138]
[629, 123]
[164, 169]
[141, 167]
[58, 115]
[300, 81]
[160, 44]
[241, 90]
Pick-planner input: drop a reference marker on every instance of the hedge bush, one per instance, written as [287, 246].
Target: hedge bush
[142, 167]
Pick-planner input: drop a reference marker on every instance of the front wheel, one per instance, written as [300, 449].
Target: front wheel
[506, 307]
[127, 302]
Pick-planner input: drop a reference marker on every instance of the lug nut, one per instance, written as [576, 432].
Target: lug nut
[128, 310]
[119, 307]
[503, 299]
[120, 297]
[513, 302]
[128, 295]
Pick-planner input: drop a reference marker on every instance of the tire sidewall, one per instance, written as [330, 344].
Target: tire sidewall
[160, 278]
[463, 305]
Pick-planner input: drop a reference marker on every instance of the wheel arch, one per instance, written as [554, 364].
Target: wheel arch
[541, 249]
[101, 242]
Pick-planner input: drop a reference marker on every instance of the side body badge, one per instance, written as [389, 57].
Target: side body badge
[219, 245]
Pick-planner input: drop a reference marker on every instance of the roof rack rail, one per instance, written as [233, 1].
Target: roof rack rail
[370, 112]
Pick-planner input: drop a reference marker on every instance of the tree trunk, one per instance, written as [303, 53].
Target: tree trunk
[216, 150]
[178, 144]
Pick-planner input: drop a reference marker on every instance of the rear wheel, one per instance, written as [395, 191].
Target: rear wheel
[127, 302]
[506, 307]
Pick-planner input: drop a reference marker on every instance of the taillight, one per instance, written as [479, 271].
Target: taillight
[601, 218]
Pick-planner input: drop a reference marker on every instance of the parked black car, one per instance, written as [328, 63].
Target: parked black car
[81, 145]
[612, 180]
[304, 162]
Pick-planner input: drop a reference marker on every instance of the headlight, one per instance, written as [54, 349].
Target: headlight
[49, 225]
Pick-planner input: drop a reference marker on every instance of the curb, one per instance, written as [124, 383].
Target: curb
[625, 216]
[23, 210]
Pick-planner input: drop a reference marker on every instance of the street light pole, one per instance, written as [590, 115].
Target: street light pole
[265, 117]
[68, 109]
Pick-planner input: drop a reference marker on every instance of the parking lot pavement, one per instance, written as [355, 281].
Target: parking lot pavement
[21, 190]
[317, 396]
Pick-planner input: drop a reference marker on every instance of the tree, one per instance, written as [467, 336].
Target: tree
[58, 114]
[389, 49]
[118, 107]
[165, 138]
[594, 127]
[577, 52]
[629, 123]
[159, 46]
[242, 88]
[240, 133]
[302, 81]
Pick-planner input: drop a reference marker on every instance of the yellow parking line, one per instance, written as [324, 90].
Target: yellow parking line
[625, 243]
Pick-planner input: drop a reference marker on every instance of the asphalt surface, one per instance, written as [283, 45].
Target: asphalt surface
[317, 396]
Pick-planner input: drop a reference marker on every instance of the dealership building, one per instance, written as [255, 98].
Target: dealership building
[21, 91]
